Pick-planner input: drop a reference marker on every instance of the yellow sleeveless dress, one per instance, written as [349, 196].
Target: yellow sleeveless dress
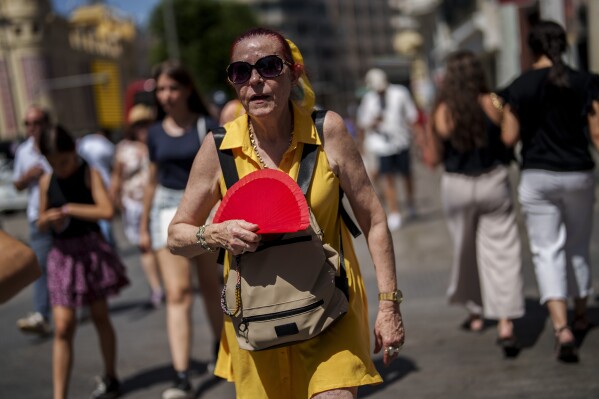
[337, 358]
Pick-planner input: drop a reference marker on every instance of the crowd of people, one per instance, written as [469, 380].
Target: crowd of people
[552, 110]
[167, 176]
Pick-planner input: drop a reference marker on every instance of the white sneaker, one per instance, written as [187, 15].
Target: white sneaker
[34, 323]
[181, 389]
[394, 221]
[177, 393]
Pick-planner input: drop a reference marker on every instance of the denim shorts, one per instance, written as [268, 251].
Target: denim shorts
[396, 163]
[164, 206]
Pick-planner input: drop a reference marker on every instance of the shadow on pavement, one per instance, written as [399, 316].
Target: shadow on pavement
[397, 370]
[207, 385]
[136, 308]
[593, 315]
[530, 327]
[158, 375]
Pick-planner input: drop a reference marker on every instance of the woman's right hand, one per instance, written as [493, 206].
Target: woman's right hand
[145, 241]
[236, 236]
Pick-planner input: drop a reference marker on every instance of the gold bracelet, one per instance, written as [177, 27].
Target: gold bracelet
[202, 240]
[496, 102]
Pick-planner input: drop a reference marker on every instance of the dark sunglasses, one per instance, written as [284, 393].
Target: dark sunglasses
[268, 67]
[37, 122]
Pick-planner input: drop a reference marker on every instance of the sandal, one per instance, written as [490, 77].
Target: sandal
[565, 351]
[581, 324]
[474, 323]
[509, 345]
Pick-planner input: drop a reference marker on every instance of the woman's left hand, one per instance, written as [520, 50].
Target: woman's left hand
[389, 331]
[236, 236]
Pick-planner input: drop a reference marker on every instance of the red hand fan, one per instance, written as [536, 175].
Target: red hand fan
[269, 198]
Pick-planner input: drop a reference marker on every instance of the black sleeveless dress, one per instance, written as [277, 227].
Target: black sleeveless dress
[82, 268]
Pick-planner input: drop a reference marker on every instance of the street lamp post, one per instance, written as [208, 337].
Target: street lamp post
[170, 27]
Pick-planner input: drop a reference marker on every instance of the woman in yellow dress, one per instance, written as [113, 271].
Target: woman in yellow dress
[278, 100]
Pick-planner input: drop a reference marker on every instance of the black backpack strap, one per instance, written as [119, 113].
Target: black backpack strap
[347, 219]
[225, 157]
[227, 165]
[341, 280]
[318, 118]
[306, 169]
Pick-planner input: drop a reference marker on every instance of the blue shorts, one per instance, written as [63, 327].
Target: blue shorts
[396, 163]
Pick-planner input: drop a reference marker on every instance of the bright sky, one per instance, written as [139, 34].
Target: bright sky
[138, 10]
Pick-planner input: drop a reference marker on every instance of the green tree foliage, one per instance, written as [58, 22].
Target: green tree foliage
[205, 29]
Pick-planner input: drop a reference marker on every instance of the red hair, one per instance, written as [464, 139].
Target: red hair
[257, 32]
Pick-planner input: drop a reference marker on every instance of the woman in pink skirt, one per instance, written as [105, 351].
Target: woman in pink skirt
[83, 269]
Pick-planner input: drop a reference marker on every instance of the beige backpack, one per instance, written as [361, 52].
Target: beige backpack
[294, 286]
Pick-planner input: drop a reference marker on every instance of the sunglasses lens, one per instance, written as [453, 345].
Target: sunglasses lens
[239, 72]
[270, 66]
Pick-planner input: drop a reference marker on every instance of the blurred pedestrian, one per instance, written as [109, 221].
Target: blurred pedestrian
[388, 114]
[173, 142]
[129, 179]
[83, 269]
[267, 74]
[486, 275]
[98, 151]
[549, 109]
[29, 166]
[232, 110]
[18, 266]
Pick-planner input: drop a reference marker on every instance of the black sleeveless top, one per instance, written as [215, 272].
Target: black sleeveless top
[553, 120]
[481, 159]
[73, 189]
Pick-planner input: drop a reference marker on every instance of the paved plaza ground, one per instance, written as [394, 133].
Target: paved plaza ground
[439, 360]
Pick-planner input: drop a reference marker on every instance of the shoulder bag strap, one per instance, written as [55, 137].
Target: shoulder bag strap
[227, 165]
[318, 117]
[308, 162]
[225, 157]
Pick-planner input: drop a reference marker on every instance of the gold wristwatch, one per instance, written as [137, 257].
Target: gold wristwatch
[393, 296]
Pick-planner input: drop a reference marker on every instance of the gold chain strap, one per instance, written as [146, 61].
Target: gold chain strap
[223, 295]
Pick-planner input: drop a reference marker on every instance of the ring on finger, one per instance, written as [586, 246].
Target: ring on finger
[392, 350]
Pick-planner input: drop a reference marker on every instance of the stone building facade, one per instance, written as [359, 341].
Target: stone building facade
[75, 67]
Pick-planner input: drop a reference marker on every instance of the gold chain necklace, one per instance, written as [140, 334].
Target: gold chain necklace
[255, 145]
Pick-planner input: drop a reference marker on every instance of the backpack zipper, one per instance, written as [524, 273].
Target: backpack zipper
[286, 241]
[278, 315]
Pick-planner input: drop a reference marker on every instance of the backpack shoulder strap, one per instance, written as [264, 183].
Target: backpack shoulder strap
[308, 161]
[225, 157]
[227, 165]
[306, 169]
[318, 117]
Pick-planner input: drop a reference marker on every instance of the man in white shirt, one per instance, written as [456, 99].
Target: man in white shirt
[29, 166]
[387, 114]
[98, 151]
